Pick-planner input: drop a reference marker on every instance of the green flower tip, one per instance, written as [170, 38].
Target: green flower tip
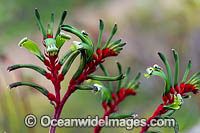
[21, 43]
[37, 14]
[10, 68]
[97, 87]
[76, 46]
[64, 15]
[101, 24]
[150, 70]
[114, 29]
[84, 33]
[178, 101]
[11, 86]
[51, 46]
[64, 36]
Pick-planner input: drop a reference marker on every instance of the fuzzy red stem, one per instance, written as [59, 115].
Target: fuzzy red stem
[89, 68]
[168, 99]
[122, 94]
[59, 108]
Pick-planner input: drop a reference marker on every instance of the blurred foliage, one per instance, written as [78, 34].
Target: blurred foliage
[18, 17]
[149, 26]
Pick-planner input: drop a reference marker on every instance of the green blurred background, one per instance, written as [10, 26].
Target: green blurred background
[148, 26]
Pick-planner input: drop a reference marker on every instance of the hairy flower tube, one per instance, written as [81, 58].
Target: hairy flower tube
[175, 92]
[57, 67]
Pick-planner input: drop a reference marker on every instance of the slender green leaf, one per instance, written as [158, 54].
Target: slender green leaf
[120, 116]
[117, 46]
[106, 74]
[114, 43]
[30, 66]
[176, 72]
[119, 66]
[51, 25]
[76, 32]
[69, 62]
[169, 75]
[101, 27]
[194, 76]
[65, 57]
[132, 82]
[187, 71]
[105, 78]
[35, 86]
[85, 87]
[40, 23]
[114, 30]
[124, 81]
[81, 66]
[64, 14]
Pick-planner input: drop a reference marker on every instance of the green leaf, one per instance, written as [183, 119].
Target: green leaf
[135, 85]
[157, 71]
[124, 81]
[176, 72]
[32, 47]
[51, 25]
[69, 63]
[114, 43]
[85, 87]
[101, 27]
[65, 57]
[120, 116]
[169, 75]
[160, 74]
[85, 34]
[83, 46]
[117, 50]
[195, 81]
[40, 23]
[94, 81]
[76, 32]
[61, 38]
[105, 78]
[117, 46]
[36, 68]
[187, 71]
[64, 14]
[106, 74]
[81, 66]
[114, 30]
[193, 76]
[119, 66]
[132, 82]
[35, 86]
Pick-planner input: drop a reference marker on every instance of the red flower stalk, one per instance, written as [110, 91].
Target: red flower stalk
[121, 95]
[111, 98]
[88, 63]
[173, 94]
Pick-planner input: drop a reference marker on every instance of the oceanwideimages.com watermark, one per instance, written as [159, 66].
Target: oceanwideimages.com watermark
[128, 123]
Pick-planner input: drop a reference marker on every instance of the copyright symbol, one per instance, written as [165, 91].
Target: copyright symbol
[30, 120]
